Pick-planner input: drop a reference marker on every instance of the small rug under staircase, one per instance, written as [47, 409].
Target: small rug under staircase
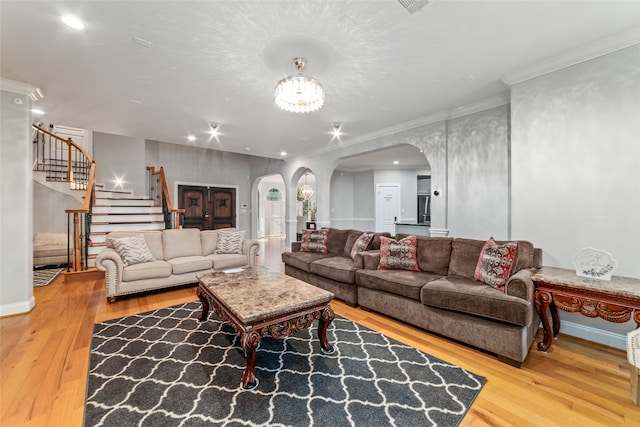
[45, 276]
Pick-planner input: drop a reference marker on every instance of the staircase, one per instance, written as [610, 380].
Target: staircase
[120, 210]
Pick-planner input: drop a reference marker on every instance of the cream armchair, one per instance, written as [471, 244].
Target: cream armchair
[633, 356]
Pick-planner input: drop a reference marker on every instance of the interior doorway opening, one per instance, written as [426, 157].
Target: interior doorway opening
[271, 207]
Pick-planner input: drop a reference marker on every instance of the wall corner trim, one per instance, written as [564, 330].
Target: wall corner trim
[18, 307]
[584, 53]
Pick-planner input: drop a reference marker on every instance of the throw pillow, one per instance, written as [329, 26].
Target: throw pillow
[495, 263]
[314, 241]
[398, 254]
[361, 244]
[230, 242]
[132, 250]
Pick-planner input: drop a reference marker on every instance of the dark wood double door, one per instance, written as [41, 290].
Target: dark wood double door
[207, 208]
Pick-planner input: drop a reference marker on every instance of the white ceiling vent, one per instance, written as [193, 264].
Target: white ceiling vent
[412, 6]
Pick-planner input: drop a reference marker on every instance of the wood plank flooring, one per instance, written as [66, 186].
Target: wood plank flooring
[44, 358]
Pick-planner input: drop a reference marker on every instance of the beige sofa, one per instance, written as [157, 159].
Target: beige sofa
[179, 254]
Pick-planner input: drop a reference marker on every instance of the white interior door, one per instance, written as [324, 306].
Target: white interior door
[387, 207]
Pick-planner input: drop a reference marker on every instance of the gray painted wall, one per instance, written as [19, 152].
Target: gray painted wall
[16, 204]
[120, 156]
[49, 209]
[576, 168]
[478, 174]
[342, 199]
[364, 201]
[199, 166]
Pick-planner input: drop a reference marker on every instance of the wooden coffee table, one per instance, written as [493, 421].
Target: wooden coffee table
[258, 302]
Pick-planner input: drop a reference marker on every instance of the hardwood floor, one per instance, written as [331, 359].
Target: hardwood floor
[44, 362]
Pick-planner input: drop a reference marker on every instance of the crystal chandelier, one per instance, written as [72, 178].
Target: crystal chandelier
[305, 191]
[299, 94]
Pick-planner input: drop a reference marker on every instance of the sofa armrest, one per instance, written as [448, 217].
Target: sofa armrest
[250, 248]
[520, 284]
[370, 260]
[110, 262]
[296, 246]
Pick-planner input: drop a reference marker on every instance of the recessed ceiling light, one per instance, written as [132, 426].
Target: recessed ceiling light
[283, 153]
[191, 138]
[36, 111]
[247, 148]
[215, 129]
[336, 130]
[395, 162]
[73, 22]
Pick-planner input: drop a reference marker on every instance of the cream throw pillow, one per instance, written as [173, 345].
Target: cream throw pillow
[132, 250]
[230, 242]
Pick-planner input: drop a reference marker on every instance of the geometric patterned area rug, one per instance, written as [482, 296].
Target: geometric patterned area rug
[46, 276]
[165, 368]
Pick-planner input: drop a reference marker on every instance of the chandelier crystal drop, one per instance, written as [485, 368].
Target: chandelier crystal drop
[299, 94]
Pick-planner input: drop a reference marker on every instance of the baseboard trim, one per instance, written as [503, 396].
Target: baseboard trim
[589, 333]
[17, 308]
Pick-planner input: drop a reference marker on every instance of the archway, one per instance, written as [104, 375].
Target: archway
[271, 207]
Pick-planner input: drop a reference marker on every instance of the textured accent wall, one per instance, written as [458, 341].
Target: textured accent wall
[478, 174]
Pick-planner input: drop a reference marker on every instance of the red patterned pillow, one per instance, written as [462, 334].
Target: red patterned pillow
[314, 241]
[361, 244]
[495, 263]
[398, 254]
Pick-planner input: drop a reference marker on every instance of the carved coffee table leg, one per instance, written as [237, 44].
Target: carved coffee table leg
[205, 305]
[326, 318]
[543, 300]
[250, 342]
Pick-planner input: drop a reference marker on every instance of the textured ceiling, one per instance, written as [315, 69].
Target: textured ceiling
[218, 61]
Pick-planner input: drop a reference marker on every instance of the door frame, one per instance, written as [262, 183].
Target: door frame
[378, 222]
[202, 184]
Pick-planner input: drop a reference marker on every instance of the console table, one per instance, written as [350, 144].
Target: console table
[615, 301]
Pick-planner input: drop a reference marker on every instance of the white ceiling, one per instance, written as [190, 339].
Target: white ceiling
[218, 61]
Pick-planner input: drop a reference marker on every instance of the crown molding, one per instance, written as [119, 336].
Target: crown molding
[16, 86]
[485, 104]
[575, 56]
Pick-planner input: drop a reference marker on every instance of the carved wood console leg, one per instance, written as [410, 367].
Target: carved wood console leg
[250, 342]
[205, 305]
[543, 301]
[326, 318]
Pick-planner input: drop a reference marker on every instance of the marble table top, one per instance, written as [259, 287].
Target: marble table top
[625, 286]
[258, 293]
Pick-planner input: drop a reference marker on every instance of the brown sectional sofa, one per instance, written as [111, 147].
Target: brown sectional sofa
[443, 296]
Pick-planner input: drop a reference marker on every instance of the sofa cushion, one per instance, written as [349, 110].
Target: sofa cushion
[146, 270]
[398, 282]
[181, 242]
[398, 254]
[361, 244]
[465, 254]
[314, 241]
[433, 253]
[302, 260]
[187, 264]
[209, 240]
[336, 240]
[152, 237]
[495, 263]
[472, 297]
[132, 250]
[351, 239]
[230, 242]
[224, 261]
[338, 268]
